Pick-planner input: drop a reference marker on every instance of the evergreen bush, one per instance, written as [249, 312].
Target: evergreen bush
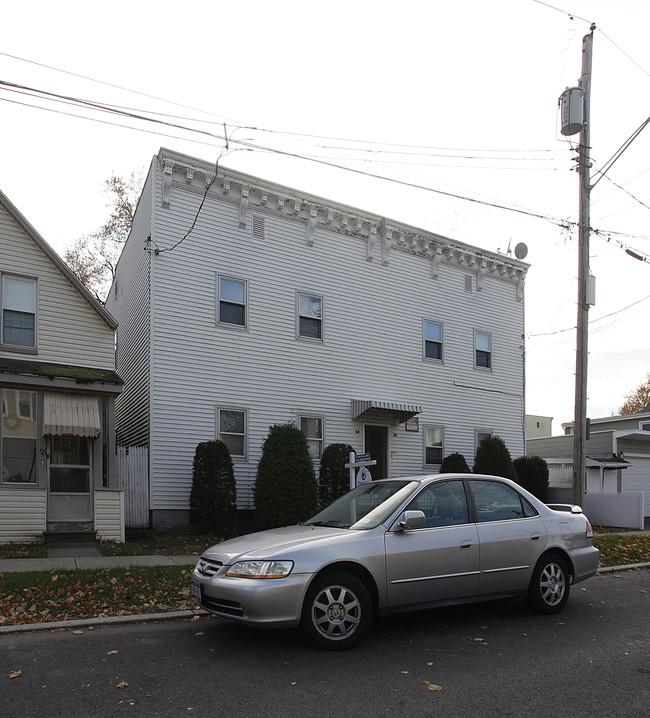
[493, 458]
[213, 497]
[532, 474]
[286, 491]
[454, 464]
[333, 477]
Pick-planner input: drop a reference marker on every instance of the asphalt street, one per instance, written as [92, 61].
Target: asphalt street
[483, 660]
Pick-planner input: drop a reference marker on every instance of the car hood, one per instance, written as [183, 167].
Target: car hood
[274, 543]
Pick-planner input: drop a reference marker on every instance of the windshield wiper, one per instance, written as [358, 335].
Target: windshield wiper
[329, 524]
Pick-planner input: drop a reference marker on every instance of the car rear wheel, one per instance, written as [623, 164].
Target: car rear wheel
[549, 586]
[337, 611]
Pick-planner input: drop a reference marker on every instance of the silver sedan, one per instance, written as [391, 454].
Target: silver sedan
[396, 545]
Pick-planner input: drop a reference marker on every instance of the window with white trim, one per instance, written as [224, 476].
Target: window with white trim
[232, 301]
[18, 430]
[231, 429]
[433, 445]
[19, 311]
[483, 350]
[432, 340]
[479, 435]
[645, 426]
[312, 428]
[310, 316]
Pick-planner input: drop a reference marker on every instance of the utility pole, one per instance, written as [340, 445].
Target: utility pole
[584, 288]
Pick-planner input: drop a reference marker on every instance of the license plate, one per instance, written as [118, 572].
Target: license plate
[196, 590]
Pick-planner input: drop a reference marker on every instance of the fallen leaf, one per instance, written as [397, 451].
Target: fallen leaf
[15, 674]
[432, 686]
[122, 684]
[405, 673]
[478, 640]
[78, 632]
[293, 683]
[200, 633]
[111, 653]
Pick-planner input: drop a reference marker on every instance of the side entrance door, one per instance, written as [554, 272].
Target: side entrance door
[70, 488]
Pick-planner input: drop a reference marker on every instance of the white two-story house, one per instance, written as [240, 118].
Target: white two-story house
[58, 385]
[242, 303]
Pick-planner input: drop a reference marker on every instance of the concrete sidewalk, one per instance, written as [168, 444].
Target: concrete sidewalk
[75, 562]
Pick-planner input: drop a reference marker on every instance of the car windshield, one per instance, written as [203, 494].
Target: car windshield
[364, 507]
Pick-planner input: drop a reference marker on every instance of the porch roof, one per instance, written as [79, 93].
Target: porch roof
[391, 408]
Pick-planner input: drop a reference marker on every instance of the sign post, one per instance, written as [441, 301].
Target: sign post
[360, 462]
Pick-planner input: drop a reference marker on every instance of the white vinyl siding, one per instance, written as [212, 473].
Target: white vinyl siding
[69, 330]
[372, 348]
[130, 299]
[22, 514]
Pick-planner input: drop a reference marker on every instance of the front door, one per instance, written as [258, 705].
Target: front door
[376, 444]
[70, 495]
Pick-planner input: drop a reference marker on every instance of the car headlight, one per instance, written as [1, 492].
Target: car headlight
[260, 569]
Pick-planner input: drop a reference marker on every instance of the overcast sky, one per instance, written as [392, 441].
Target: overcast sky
[456, 97]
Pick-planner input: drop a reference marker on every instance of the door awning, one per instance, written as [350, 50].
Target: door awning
[70, 415]
[397, 410]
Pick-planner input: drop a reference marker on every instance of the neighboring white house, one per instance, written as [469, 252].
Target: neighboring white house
[58, 385]
[242, 303]
[618, 458]
[538, 426]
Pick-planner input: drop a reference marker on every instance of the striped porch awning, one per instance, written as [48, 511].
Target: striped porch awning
[397, 410]
[71, 415]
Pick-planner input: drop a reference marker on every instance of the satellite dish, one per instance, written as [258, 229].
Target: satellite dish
[521, 250]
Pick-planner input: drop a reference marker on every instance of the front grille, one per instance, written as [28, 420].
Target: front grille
[230, 608]
[208, 568]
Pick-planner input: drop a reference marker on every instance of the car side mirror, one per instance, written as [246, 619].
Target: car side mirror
[410, 520]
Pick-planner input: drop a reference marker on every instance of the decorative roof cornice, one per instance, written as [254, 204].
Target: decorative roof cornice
[380, 234]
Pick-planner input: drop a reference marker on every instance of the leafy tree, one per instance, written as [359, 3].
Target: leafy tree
[213, 495]
[333, 477]
[638, 400]
[532, 474]
[286, 491]
[93, 257]
[492, 457]
[454, 464]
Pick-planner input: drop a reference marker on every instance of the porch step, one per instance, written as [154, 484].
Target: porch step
[68, 537]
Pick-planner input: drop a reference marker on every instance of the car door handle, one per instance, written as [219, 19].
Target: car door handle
[467, 544]
[535, 537]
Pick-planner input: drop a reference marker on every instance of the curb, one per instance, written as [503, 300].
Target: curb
[184, 615]
[107, 621]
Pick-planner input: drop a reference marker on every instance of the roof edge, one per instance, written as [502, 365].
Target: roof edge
[56, 259]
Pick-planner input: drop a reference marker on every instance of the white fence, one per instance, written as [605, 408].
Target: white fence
[133, 479]
[612, 509]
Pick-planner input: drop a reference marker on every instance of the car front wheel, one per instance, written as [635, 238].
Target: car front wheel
[549, 586]
[337, 611]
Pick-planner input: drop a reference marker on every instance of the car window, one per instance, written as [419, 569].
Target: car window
[497, 502]
[366, 506]
[443, 503]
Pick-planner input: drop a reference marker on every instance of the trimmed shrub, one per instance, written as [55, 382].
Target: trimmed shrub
[532, 474]
[213, 498]
[333, 477]
[286, 491]
[454, 464]
[492, 457]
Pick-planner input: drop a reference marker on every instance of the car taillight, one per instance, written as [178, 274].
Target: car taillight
[590, 531]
